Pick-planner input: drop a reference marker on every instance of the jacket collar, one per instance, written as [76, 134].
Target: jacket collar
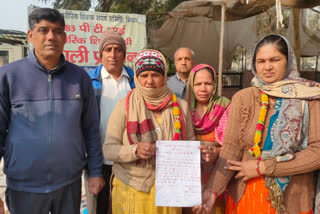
[33, 59]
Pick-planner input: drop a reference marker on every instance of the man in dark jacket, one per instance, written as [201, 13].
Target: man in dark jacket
[111, 80]
[49, 124]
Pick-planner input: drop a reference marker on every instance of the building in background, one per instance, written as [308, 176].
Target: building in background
[13, 46]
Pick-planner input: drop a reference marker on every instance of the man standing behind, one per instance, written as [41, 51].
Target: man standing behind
[184, 62]
[111, 81]
[49, 125]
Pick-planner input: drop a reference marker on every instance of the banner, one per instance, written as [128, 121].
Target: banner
[84, 28]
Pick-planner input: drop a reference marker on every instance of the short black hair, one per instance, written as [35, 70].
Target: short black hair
[278, 41]
[49, 14]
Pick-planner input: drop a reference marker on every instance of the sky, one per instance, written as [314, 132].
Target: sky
[14, 13]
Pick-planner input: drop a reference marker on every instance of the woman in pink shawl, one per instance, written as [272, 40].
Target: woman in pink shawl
[209, 117]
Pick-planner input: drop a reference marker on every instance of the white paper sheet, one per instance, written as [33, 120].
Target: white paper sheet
[178, 173]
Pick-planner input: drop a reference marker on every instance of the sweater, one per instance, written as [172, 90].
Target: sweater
[118, 149]
[243, 118]
[49, 125]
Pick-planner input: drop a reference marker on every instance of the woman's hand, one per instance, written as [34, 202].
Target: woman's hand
[208, 200]
[1, 206]
[145, 150]
[247, 170]
[209, 154]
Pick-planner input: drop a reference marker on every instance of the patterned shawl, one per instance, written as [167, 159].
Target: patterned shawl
[216, 107]
[288, 127]
[141, 101]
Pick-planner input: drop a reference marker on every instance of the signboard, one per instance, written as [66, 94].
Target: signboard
[84, 30]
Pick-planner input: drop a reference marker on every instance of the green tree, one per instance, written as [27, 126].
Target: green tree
[70, 4]
[118, 6]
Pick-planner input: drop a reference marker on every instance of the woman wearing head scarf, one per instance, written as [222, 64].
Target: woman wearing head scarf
[150, 112]
[209, 117]
[271, 141]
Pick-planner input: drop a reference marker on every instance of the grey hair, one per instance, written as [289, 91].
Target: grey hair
[189, 49]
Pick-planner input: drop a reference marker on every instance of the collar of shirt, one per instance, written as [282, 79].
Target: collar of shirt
[181, 80]
[106, 75]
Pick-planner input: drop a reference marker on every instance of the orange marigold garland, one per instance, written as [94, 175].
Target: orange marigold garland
[176, 115]
[256, 150]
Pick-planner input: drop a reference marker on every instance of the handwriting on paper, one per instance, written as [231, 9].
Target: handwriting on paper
[178, 173]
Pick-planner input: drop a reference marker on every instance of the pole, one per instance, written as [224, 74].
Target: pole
[223, 11]
[245, 60]
[296, 24]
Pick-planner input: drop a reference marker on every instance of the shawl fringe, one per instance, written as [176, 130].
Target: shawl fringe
[276, 196]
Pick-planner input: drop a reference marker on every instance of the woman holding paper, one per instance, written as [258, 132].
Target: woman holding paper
[272, 140]
[209, 117]
[150, 112]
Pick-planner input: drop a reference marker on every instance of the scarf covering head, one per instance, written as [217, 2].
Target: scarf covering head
[216, 106]
[141, 101]
[289, 125]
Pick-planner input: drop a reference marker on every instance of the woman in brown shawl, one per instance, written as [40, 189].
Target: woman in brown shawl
[150, 112]
[272, 140]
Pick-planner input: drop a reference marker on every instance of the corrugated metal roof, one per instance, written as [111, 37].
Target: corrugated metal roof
[13, 37]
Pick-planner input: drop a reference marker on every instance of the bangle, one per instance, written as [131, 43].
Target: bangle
[257, 168]
[211, 190]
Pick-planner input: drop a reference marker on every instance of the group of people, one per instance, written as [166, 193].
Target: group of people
[259, 151]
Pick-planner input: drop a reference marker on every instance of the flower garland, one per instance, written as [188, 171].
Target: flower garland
[256, 150]
[176, 115]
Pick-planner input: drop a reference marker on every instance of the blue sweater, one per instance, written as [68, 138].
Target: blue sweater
[49, 125]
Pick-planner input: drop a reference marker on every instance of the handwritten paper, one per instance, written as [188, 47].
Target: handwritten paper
[178, 173]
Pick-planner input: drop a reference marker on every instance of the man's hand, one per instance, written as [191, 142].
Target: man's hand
[95, 185]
